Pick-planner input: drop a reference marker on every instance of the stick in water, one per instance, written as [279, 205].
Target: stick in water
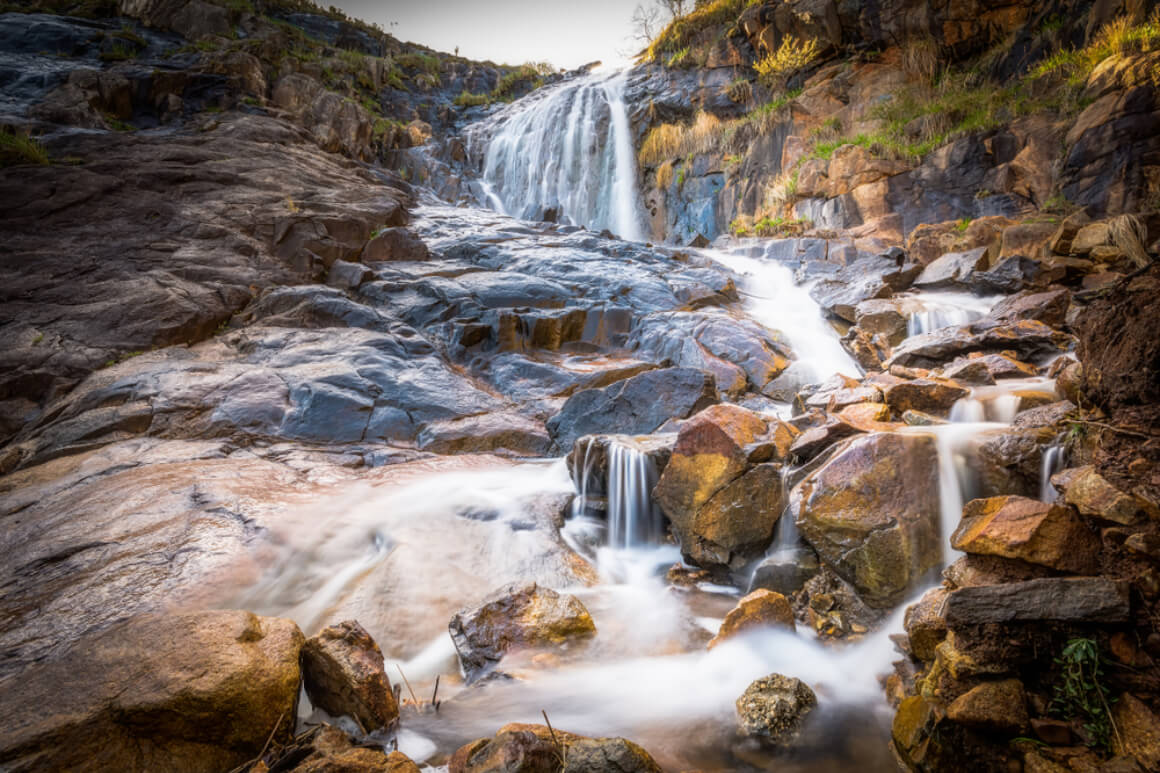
[413, 698]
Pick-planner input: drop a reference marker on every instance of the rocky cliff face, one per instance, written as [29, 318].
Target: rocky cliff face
[895, 116]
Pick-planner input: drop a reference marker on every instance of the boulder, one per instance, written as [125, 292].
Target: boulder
[887, 317]
[1009, 461]
[785, 571]
[774, 708]
[342, 670]
[194, 691]
[982, 369]
[972, 570]
[1139, 728]
[953, 268]
[1025, 337]
[517, 617]
[992, 707]
[1087, 600]
[523, 748]
[1049, 307]
[864, 279]
[1050, 415]
[759, 609]
[721, 510]
[634, 406]
[814, 440]
[1093, 495]
[1029, 530]
[332, 751]
[928, 395]
[872, 513]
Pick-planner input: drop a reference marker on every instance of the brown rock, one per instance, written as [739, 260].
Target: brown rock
[342, 669]
[359, 760]
[517, 617]
[871, 513]
[1090, 236]
[1139, 728]
[760, 609]
[925, 626]
[1029, 530]
[774, 707]
[1092, 494]
[816, 439]
[934, 396]
[1048, 307]
[972, 570]
[523, 748]
[868, 417]
[737, 523]
[1060, 243]
[993, 707]
[1009, 461]
[195, 691]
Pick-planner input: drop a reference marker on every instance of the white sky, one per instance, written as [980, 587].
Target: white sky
[567, 33]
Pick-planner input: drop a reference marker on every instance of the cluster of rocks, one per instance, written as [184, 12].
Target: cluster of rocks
[987, 654]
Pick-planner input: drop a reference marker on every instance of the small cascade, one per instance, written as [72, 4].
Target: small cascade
[1054, 460]
[633, 519]
[565, 154]
[941, 309]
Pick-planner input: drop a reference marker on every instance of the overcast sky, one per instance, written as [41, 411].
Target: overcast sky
[567, 33]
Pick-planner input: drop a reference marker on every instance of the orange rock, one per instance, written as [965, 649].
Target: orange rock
[1030, 530]
[999, 707]
[760, 609]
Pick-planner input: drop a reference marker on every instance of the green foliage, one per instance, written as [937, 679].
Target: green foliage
[1081, 692]
[467, 99]
[1117, 37]
[119, 52]
[18, 148]
[117, 125]
[963, 225]
[420, 61]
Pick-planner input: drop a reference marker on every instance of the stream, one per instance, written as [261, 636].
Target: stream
[404, 556]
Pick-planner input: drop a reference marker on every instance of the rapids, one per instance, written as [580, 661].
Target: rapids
[402, 557]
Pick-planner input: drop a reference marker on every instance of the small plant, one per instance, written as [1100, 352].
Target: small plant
[963, 225]
[119, 52]
[18, 148]
[117, 125]
[38, 339]
[1081, 693]
[665, 175]
[792, 55]
[290, 205]
[467, 99]
[681, 178]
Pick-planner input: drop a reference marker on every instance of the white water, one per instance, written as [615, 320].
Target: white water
[770, 296]
[1054, 460]
[568, 149]
[633, 519]
[946, 309]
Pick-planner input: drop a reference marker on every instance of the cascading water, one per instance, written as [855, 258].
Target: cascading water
[570, 152]
[1054, 460]
[633, 519]
[945, 309]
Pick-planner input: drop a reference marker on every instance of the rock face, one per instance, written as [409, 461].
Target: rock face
[759, 609]
[722, 510]
[871, 513]
[774, 708]
[635, 406]
[1029, 530]
[189, 692]
[517, 617]
[342, 668]
[997, 707]
[521, 748]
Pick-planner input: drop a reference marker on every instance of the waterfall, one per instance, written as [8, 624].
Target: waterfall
[633, 519]
[566, 154]
[1053, 462]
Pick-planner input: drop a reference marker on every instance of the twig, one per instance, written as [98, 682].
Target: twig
[1133, 433]
[265, 746]
[413, 698]
[561, 750]
[435, 695]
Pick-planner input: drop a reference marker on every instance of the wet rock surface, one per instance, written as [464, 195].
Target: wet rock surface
[774, 708]
[517, 617]
[342, 671]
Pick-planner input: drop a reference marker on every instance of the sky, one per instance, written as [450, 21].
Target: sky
[567, 33]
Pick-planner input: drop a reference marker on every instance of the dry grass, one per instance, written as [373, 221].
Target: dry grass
[670, 140]
[680, 32]
[1116, 38]
[17, 148]
[664, 175]
[920, 61]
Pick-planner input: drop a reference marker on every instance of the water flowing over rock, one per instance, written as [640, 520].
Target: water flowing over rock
[521, 748]
[567, 155]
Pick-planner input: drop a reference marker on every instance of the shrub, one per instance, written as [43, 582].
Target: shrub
[669, 141]
[681, 31]
[1081, 692]
[792, 55]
